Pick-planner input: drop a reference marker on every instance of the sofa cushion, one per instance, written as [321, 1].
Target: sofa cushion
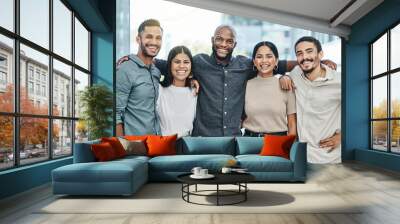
[257, 163]
[103, 152]
[208, 145]
[129, 159]
[161, 145]
[185, 163]
[116, 145]
[275, 145]
[249, 145]
[135, 137]
[135, 147]
[83, 152]
[111, 171]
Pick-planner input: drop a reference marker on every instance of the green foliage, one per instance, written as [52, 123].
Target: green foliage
[97, 103]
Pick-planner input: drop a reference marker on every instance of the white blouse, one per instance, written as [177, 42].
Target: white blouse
[176, 109]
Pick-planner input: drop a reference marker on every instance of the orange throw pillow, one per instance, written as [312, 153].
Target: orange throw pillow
[161, 145]
[136, 137]
[275, 145]
[103, 152]
[116, 145]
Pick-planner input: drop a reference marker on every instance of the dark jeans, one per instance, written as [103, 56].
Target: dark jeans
[260, 134]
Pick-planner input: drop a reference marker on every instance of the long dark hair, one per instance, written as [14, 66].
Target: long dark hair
[172, 53]
[270, 45]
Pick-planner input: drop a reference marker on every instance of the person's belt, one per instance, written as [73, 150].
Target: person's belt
[261, 134]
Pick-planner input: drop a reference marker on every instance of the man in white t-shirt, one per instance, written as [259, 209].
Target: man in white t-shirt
[318, 103]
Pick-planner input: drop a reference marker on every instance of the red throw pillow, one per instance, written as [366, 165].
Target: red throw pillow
[161, 145]
[116, 145]
[103, 152]
[275, 145]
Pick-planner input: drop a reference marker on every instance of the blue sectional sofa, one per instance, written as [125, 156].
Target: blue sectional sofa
[125, 176]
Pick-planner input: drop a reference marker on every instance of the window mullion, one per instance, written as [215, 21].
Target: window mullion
[73, 82]
[50, 81]
[389, 101]
[17, 88]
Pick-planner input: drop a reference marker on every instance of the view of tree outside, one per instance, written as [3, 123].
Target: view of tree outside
[386, 130]
[33, 131]
[33, 116]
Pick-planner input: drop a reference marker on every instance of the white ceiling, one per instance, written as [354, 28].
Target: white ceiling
[316, 15]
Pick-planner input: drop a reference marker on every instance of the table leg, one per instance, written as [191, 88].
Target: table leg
[188, 192]
[217, 194]
[245, 191]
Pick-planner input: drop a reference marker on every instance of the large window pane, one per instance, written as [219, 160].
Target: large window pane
[34, 97]
[7, 14]
[395, 47]
[62, 89]
[6, 142]
[379, 97]
[33, 139]
[62, 138]
[395, 94]
[379, 135]
[395, 136]
[62, 29]
[6, 74]
[81, 81]
[379, 55]
[35, 21]
[81, 45]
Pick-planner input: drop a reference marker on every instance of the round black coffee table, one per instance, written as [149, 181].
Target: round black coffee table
[238, 179]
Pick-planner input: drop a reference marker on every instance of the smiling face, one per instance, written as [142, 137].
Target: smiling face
[181, 67]
[265, 61]
[308, 56]
[150, 41]
[223, 43]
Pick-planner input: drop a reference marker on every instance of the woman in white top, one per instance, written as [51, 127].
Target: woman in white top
[268, 108]
[176, 104]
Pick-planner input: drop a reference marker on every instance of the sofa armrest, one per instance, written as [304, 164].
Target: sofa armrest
[298, 155]
[83, 152]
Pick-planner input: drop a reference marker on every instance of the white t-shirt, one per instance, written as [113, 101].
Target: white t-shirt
[176, 109]
[318, 105]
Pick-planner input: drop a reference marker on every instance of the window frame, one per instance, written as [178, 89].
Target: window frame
[389, 73]
[15, 72]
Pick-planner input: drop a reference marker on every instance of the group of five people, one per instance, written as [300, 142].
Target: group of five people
[219, 94]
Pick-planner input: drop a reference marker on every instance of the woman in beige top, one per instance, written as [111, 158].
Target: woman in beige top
[268, 108]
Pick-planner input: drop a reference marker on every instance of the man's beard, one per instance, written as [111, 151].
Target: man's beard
[308, 71]
[228, 56]
[145, 53]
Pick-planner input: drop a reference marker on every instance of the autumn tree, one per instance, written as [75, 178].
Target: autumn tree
[380, 127]
[6, 122]
[33, 131]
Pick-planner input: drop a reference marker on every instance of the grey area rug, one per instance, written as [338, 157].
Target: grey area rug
[166, 198]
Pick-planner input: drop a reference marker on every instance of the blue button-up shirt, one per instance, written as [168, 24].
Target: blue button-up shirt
[137, 92]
